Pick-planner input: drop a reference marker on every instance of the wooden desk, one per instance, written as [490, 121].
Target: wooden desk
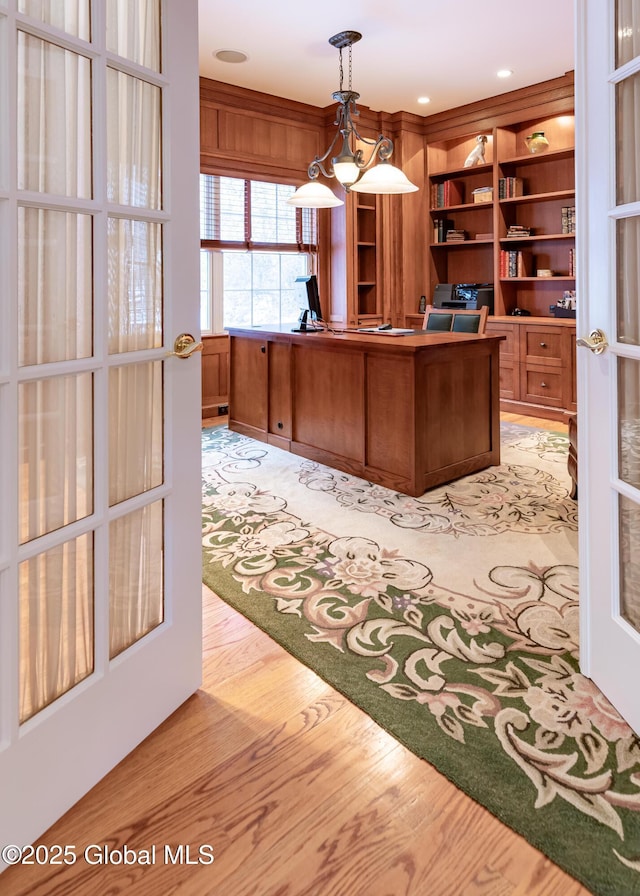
[408, 412]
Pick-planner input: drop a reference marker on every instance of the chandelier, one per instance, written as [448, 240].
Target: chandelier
[351, 167]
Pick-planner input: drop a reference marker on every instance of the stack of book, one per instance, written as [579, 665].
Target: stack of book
[568, 219]
[510, 187]
[515, 263]
[517, 230]
[449, 192]
[456, 236]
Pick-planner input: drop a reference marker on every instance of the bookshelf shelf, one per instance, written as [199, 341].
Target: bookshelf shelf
[536, 238]
[539, 197]
[455, 244]
[551, 156]
[461, 171]
[557, 278]
[465, 207]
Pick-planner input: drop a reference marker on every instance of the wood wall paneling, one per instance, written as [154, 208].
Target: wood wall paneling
[245, 133]
[215, 374]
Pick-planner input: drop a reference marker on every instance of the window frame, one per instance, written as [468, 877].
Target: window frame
[306, 226]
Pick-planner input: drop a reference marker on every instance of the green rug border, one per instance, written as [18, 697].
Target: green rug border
[538, 827]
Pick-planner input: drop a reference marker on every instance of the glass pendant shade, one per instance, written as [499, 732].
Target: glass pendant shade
[314, 195]
[346, 172]
[384, 178]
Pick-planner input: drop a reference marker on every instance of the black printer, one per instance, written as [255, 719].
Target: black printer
[463, 295]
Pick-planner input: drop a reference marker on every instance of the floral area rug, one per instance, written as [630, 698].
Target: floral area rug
[451, 619]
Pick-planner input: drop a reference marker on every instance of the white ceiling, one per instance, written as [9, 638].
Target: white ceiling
[449, 50]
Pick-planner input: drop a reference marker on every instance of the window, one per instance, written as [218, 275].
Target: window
[253, 246]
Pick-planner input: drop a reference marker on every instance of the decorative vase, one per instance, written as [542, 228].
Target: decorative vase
[537, 142]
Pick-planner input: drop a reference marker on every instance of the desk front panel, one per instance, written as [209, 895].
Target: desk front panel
[390, 415]
[328, 400]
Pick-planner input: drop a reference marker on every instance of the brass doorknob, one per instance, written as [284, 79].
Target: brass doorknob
[185, 346]
[596, 342]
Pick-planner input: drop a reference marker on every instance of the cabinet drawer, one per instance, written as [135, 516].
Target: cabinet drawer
[544, 345]
[509, 345]
[543, 386]
[509, 380]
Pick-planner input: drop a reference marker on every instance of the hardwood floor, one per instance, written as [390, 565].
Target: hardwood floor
[296, 790]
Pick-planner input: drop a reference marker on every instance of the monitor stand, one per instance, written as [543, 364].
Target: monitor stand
[302, 324]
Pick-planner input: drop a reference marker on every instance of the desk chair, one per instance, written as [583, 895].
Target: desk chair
[455, 321]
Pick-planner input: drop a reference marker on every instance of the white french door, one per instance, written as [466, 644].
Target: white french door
[100, 622]
[608, 163]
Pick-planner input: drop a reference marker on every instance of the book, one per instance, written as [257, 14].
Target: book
[510, 187]
[441, 226]
[392, 331]
[568, 219]
[517, 230]
[515, 263]
[446, 193]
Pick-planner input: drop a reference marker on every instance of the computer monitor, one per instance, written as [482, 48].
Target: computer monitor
[312, 313]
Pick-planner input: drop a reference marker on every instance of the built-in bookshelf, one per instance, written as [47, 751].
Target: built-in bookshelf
[366, 226]
[461, 213]
[356, 260]
[536, 217]
[509, 221]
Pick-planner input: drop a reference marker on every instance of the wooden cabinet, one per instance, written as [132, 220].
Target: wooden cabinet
[215, 375]
[260, 389]
[537, 365]
[248, 392]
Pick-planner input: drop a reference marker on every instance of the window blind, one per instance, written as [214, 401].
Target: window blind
[253, 214]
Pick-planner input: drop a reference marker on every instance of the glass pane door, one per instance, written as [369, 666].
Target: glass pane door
[100, 585]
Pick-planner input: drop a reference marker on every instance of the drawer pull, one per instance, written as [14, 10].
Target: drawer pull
[263, 349]
[543, 345]
[543, 385]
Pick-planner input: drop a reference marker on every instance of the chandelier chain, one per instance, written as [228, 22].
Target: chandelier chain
[341, 69]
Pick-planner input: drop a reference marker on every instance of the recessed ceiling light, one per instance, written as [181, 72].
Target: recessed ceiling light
[423, 100]
[230, 56]
[504, 73]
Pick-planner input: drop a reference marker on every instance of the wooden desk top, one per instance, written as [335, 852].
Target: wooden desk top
[417, 341]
